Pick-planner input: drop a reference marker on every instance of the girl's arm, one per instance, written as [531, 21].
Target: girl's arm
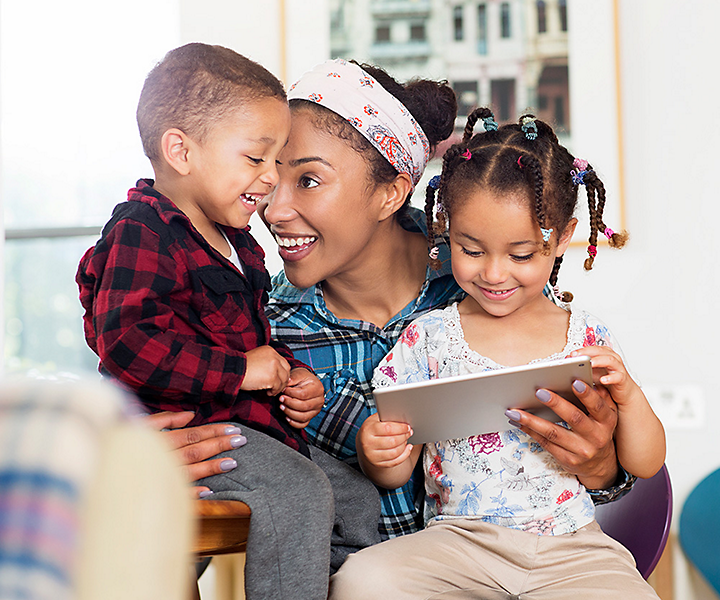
[639, 435]
[384, 454]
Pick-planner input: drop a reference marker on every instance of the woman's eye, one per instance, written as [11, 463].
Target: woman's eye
[307, 182]
[257, 161]
[524, 258]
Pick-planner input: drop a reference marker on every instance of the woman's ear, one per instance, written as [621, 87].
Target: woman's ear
[566, 237]
[396, 192]
[174, 145]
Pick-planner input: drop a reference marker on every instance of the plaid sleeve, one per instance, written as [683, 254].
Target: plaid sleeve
[137, 298]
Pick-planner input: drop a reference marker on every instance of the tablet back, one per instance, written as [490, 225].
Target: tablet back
[467, 405]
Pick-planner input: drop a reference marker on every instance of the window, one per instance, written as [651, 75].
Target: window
[541, 16]
[382, 34]
[505, 31]
[482, 29]
[417, 32]
[562, 7]
[503, 98]
[467, 96]
[458, 23]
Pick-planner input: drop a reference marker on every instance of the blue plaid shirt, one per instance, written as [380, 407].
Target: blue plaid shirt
[344, 352]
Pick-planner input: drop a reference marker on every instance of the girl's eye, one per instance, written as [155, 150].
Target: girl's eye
[307, 182]
[257, 161]
[472, 253]
[522, 258]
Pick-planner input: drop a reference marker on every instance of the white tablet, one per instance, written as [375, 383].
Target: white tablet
[467, 405]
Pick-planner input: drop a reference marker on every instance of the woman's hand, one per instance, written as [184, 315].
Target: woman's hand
[195, 445]
[303, 397]
[588, 449]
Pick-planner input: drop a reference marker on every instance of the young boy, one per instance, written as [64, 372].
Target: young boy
[174, 295]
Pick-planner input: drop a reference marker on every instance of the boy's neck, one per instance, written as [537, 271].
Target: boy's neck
[171, 188]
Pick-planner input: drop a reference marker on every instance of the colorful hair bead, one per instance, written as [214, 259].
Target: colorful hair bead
[580, 164]
[490, 124]
[592, 250]
[608, 233]
[529, 128]
[434, 182]
[434, 252]
[578, 177]
[519, 161]
[467, 155]
[546, 233]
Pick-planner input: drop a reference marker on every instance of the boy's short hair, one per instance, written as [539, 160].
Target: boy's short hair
[194, 87]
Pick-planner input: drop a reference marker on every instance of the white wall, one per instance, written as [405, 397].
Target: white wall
[657, 294]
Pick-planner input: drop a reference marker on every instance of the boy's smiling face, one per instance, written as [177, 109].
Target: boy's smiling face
[235, 166]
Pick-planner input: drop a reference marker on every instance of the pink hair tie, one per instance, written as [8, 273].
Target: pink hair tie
[467, 155]
[592, 250]
[609, 233]
[518, 161]
[434, 252]
[581, 164]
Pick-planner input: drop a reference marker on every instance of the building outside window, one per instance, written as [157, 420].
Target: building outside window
[503, 99]
[505, 29]
[458, 31]
[417, 32]
[562, 7]
[541, 16]
[482, 29]
[382, 34]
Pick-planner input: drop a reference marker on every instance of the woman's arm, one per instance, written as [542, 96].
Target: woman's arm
[384, 454]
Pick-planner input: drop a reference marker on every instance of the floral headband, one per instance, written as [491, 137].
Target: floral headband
[350, 92]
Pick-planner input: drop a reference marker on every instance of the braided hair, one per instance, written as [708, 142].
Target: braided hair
[523, 156]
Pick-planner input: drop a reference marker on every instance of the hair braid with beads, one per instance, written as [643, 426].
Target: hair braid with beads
[505, 160]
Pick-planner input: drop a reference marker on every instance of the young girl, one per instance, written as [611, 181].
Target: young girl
[503, 518]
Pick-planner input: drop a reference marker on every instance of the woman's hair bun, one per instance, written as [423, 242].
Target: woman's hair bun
[432, 103]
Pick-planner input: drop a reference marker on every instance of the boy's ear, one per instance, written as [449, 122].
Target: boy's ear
[566, 237]
[395, 194]
[174, 145]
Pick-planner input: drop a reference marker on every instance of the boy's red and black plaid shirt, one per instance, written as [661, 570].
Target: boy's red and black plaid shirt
[171, 318]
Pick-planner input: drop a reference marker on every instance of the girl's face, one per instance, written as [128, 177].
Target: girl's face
[497, 251]
[322, 213]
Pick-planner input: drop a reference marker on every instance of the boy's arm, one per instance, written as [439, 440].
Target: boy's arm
[125, 287]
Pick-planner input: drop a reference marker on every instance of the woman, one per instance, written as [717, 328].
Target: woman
[356, 265]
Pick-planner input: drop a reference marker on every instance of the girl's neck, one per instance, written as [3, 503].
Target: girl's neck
[538, 331]
[385, 279]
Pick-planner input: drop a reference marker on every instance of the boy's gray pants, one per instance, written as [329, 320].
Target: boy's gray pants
[298, 507]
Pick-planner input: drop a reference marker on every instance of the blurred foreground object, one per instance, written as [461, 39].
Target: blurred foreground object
[92, 503]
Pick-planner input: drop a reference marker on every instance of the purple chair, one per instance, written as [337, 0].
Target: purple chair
[640, 520]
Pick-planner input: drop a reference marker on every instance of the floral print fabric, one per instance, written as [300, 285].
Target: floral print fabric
[502, 477]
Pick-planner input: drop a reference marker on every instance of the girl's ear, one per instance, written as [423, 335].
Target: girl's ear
[174, 145]
[566, 237]
[395, 194]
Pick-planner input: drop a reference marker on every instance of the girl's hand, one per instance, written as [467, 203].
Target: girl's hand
[384, 443]
[384, 454]
[303, 398]
[265, 370]
[609, 371]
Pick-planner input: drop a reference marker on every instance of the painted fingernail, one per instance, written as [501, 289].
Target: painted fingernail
[513, 415]
[232, 430]
[206, 493]
[238, 440]
[282, 407]
[579, 386]
[228, 464]
[514, 423]
[543, 395]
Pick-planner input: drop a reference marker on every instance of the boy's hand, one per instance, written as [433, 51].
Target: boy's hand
[384, 443]
[265, 370]
[303, 397]
[609, 371]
